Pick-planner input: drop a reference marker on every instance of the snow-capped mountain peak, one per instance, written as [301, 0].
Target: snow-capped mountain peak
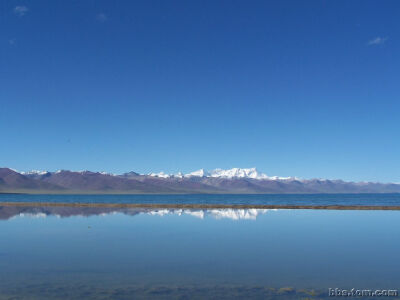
[251, 173]
[34, 172]
[198, 173]
[160, 174]
[179, 175]
[218, 173]
[231, 173]
[239, 173]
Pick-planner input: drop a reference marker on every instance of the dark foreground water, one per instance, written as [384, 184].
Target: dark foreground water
[255, 199]
[139, 253]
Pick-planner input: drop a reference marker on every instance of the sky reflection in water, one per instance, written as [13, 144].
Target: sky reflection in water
[109, 248]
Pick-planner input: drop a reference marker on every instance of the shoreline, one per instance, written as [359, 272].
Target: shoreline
[199, 206]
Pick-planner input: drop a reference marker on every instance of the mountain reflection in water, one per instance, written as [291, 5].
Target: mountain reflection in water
[8, 212]
[101, 252]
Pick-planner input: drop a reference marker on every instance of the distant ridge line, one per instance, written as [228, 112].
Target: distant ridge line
[199, 206]
[241, 181]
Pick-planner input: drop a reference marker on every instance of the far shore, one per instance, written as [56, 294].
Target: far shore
[198, 206]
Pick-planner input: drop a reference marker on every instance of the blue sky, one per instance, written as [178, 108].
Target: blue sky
[295, 88]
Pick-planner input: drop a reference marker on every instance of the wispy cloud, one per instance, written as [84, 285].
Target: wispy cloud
[21, 10]
[11, 42]
[377, 41]
[101, 17]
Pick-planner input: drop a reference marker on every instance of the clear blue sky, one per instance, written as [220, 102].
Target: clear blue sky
[295, 88]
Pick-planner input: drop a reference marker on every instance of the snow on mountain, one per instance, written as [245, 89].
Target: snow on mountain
[252, 173]
[179, 175]
[235, 173]
[198, 173]
[108, 173]
[161, 174]
[239, 173]
[34, 172]
[231, 173]
[283, 178]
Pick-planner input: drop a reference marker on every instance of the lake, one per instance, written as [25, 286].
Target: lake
[140, 253]
[252, 199]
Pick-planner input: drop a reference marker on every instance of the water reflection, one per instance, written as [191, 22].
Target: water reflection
[228, 213]
[104, 253]
[9, 212]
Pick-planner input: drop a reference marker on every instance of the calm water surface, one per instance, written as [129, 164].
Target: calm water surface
[133, 253]
[266, 199]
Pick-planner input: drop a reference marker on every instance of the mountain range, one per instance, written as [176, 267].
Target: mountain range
[232, 181]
